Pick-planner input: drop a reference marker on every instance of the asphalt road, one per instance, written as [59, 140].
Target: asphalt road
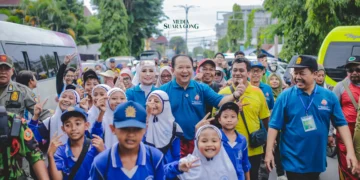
[331, 172]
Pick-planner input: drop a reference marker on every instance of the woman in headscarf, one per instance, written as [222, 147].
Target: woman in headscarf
[220, 76]
[275, 83]
[98, 92]
[204, 164]
[127, 76]
[162, 130]
[116, 97]
[165, 76]
[143, 82]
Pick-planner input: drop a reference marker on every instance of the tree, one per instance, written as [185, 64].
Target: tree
[114, 23]
[197, 50]
[223, 44]
[249, 26]
[76, 9]
[235, 31]
[93, 27]
[305, 23]
[177, 43]
[209, 54]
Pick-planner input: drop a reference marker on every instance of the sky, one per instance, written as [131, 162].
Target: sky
[204, 14]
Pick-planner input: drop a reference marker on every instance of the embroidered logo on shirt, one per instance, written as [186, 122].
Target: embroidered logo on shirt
[130, 112]
[267, 94]
[324, 102]
[14, 96]
[324, 105]
[197, 97]
[28, 135]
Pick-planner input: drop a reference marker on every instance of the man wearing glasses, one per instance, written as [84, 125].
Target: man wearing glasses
[262, 58]
[65, 76]
[348, 93]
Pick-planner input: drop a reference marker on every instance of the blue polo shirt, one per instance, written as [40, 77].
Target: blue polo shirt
[136, 94]
[304, 152]
[108, 164]
[237, 154]
[64, 160]
[189, 105]
[266, 89]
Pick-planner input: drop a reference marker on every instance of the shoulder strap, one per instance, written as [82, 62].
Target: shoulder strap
[243, 118]
[350, 95]
[80, 159]
[165, 149]
[152, 163]
[231, 88]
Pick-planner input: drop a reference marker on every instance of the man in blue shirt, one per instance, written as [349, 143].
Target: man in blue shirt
[130, 158]
[303, 114]
[256, 73]
[189, 98]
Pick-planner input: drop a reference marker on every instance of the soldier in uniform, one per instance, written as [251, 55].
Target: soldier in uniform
[14, 96]
[16, 142]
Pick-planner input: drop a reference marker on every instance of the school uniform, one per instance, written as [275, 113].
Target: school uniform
[238, 154]
[108, 165]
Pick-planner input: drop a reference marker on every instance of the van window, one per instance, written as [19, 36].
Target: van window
[38, 62]
[336, 57]
[15, 51]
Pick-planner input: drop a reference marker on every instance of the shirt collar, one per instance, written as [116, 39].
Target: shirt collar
[227, 140]
[176, 85]
[137, 88]
[68, 151]
[300, 91]
[115, 157]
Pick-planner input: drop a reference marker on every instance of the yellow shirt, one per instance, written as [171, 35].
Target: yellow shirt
[256, 110]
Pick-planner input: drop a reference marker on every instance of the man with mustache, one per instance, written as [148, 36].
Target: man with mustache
[303, 114]
[348, 93]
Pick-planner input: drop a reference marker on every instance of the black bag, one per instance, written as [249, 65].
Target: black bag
[81, 158]
[256, 138]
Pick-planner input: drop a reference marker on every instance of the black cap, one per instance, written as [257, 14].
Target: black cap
[305, 61]
[89, 74]
[228, 105]
[352, 60]
[207, 61]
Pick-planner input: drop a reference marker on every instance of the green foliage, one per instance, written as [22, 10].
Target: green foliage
[177, 43]
[197, 50]
[250, 24]
[93, 27]
[235, 31]
[305, 23]
[223, 45]
[114, 23]
[209, 54]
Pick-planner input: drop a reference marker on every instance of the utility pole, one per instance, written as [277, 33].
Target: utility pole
[186, 7]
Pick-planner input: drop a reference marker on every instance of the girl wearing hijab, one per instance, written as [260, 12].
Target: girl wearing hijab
[275, 83]
[116, 97]
[220, 76]
[208, 161]
[98, 92]
[45, 131]
[127, 76]
[165, 76]
[143, 82]
[162, 130]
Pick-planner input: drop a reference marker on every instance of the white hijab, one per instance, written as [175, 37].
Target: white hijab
[94, 112]
[167, 68]
[55, 120]
[220, 167]
[110, 138]
[160, 127]
[145, 63]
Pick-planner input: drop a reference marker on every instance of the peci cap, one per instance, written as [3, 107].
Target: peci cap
[352, 60]
[256, 64]
[207, 61]
[112, 60]
[72, 111]
[305, 61]
[4, 59]
[129, 114]
[89, 74]
[228, 105]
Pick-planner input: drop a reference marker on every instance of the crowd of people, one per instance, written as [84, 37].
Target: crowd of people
[182, 119]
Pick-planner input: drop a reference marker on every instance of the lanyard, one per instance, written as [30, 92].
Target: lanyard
[312, 99]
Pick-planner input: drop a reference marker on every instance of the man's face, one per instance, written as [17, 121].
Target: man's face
[183, 70]
[256, 74]
[219, 60]
[112, 65]
[129, 138]
[239, 56]
[239, 71]
[263, 61]
[320, 77]
[354, 73]
[69, 77]
[208, 73]
[5, 74]
[303, 78]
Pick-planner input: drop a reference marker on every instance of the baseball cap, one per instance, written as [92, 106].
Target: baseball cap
[352, 60]
[72, 111]
[4, 59]
[207, 61]
[305, 61]
[89, 74]
[108, 73]
[256, 64]
[112, 60]
[119, 66]
[228, 105]
[130, 114]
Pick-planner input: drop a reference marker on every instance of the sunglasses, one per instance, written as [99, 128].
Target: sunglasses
[218, 74]
[351, 70]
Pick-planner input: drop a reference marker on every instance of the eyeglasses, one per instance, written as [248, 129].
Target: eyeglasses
[351, 70]
[218, 74]
[126, 79]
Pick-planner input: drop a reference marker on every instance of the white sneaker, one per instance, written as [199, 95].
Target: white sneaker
[282, 178]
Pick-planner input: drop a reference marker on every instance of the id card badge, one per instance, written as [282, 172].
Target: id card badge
[308, 123]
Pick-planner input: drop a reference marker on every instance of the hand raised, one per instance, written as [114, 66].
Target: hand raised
[204, 121]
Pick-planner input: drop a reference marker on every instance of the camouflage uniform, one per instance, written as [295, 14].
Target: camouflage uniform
[24, 145]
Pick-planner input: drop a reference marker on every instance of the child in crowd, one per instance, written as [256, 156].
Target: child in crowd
[116, 97]
[275, 83]
[130, 158]
[90, 81]
[73, 159]
[233, 142]
[99, 92]
[162, 131]
[208, 161]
